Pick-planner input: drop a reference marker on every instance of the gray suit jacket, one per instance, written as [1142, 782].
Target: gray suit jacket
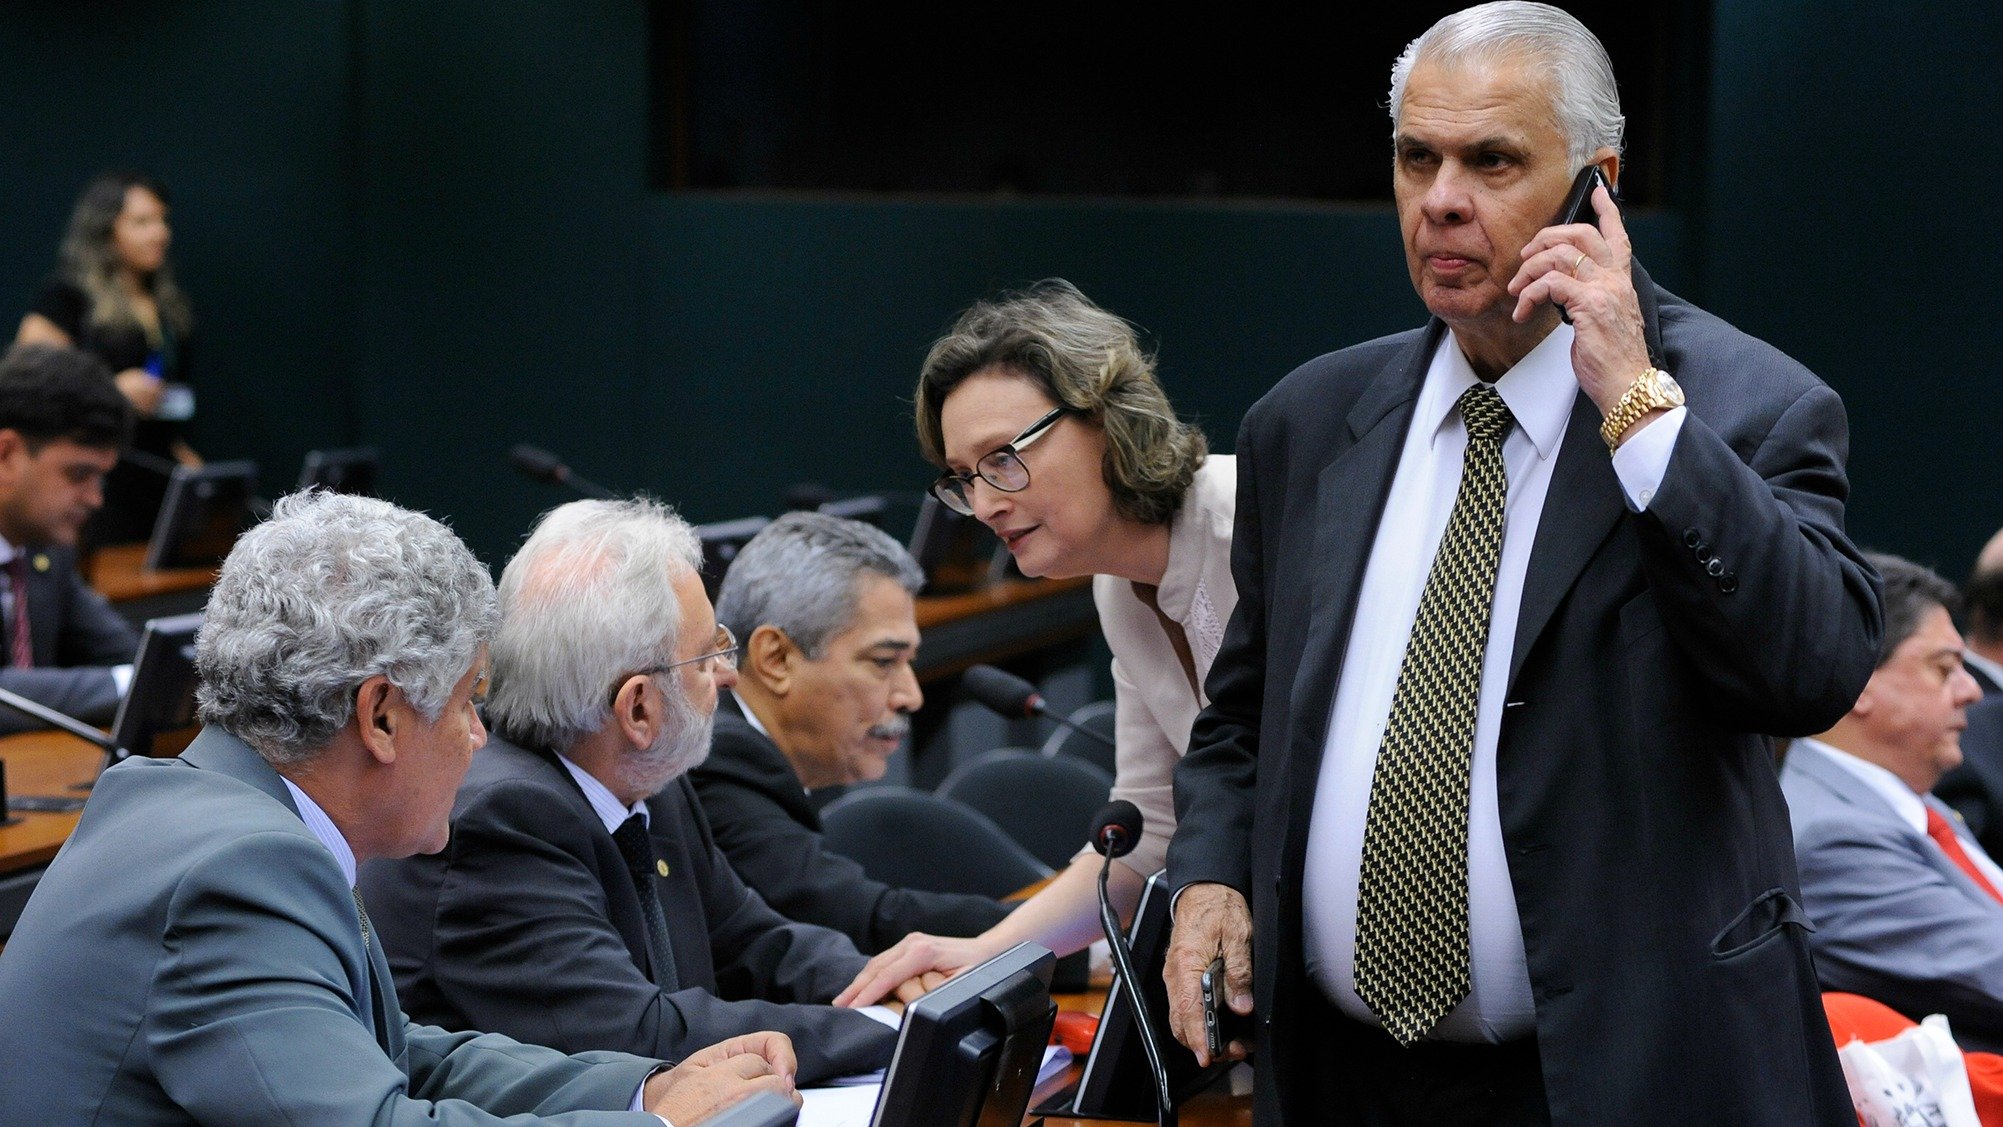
[1895, 920]
[194, 955]
[76, 637]
[528, 923]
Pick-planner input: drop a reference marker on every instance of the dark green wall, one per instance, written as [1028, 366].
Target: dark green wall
[424, 225]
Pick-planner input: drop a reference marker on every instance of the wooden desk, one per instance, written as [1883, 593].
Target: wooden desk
[118, 572]
[38, 763]
[1001, 621]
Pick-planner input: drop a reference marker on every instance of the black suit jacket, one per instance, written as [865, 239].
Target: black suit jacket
[76, 637]
[1975, 789]
[528, 924]
[1647, 839]
[770, 830]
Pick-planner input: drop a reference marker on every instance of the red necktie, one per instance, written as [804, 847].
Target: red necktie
[1944, 836]
[21, 648]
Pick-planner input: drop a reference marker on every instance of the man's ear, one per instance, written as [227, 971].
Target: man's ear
[1609, 162]
[773, 658]
[376, 717]
[635, 712]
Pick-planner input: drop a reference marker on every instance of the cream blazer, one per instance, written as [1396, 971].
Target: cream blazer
[1154, 705]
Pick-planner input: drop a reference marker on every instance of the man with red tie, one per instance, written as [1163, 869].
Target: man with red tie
[62, 421]
[1907, 907]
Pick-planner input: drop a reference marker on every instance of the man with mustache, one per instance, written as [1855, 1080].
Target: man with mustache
[582, 902]
[824, 695]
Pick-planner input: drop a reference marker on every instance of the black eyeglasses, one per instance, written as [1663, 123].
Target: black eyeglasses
[1002, 467]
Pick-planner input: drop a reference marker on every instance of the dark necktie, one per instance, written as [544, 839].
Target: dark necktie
[1944, 836]
[21, 644]
[637, 846]
[1411, 908]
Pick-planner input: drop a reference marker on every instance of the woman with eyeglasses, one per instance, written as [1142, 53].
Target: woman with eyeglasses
[1050, 425]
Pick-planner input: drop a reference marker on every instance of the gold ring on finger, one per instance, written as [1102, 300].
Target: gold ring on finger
[1576, 261]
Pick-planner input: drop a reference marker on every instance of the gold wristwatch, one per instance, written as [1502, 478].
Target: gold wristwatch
[1652, 389]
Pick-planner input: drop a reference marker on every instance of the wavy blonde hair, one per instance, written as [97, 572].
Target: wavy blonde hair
[1084, 359]
[89, 260]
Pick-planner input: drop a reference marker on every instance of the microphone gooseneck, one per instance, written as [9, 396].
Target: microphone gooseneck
[1115, 831]
[1001, 691]
[542, 465]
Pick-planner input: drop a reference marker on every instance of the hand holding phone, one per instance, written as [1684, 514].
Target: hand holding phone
[1221, 1024]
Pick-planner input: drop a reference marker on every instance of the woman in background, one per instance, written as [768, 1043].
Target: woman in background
[1046, 416]
[113, 295]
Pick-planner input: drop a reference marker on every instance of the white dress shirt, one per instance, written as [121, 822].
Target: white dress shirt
[1908, 806]
[1540, 392]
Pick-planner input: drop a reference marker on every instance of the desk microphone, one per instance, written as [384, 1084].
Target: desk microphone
[1116, 829]
[1013, 697]
[542, 465]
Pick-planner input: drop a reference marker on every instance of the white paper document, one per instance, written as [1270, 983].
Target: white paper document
[851, 1100]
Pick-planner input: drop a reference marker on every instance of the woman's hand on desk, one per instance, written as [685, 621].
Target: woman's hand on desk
[918, 963]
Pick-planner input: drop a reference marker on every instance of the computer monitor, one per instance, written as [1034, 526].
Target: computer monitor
[204, 512]
[870, 508]
[968, 1053]
[720, 544]
[957, 552]
[351, 469]
[161, 698]
[1116, 1082]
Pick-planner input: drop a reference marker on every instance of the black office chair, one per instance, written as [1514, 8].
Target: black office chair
[1045, 803]
[1097, 717]
[911, 839]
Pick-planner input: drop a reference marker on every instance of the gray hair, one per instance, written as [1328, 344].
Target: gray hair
[801, 575]
[585, 601]
[1584, 97]
[331, 591]
[1910, 592]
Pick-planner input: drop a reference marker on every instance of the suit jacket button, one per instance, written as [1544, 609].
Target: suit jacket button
[1702, 552]
[1692, 538]
[1728, 583]
[1715, 568]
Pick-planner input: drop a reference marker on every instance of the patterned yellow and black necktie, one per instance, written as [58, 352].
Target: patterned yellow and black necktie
[1411, 905]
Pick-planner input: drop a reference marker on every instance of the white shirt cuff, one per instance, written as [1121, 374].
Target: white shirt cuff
[121, 678]
[1641, 461]
[883, 1014]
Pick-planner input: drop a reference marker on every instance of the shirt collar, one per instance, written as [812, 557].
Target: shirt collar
[7, 551]
[1900, 797]
[603, 802]
[1539, 390]
[750, 717]
[323, 829]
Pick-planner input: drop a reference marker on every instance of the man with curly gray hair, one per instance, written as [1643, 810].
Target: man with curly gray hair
[198, 951]
[578, 847]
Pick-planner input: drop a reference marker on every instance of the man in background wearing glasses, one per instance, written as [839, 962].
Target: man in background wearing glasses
[582, 902]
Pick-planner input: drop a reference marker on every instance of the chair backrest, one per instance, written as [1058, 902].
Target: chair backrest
[1098, 717]
[911, 839]
[1045, 803]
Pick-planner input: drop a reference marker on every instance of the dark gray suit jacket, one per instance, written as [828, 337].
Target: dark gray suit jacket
[528, 924]
[194, 955]
[1975, 788]
[1895, 920]
[76, 637]
[772, 835]
[1644, 828]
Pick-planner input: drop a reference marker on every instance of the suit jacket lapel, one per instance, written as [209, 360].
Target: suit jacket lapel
[1349, 501]
[1583, 505]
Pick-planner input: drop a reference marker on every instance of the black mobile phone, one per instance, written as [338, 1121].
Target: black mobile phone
[1579, 201]
[1578, 208]
[1221, 1024]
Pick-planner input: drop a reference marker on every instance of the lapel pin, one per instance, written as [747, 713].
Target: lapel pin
[41, 561]
[661, 867]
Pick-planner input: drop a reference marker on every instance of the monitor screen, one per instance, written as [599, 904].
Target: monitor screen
[350, 470]
[968, 1053]
[720, 544]
[203, 513]
[957, 552]
[1116, 1082]
[161, 698]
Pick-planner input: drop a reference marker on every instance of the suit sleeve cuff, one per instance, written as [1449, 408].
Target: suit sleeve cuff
[1641, 461]
[639, 1103]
